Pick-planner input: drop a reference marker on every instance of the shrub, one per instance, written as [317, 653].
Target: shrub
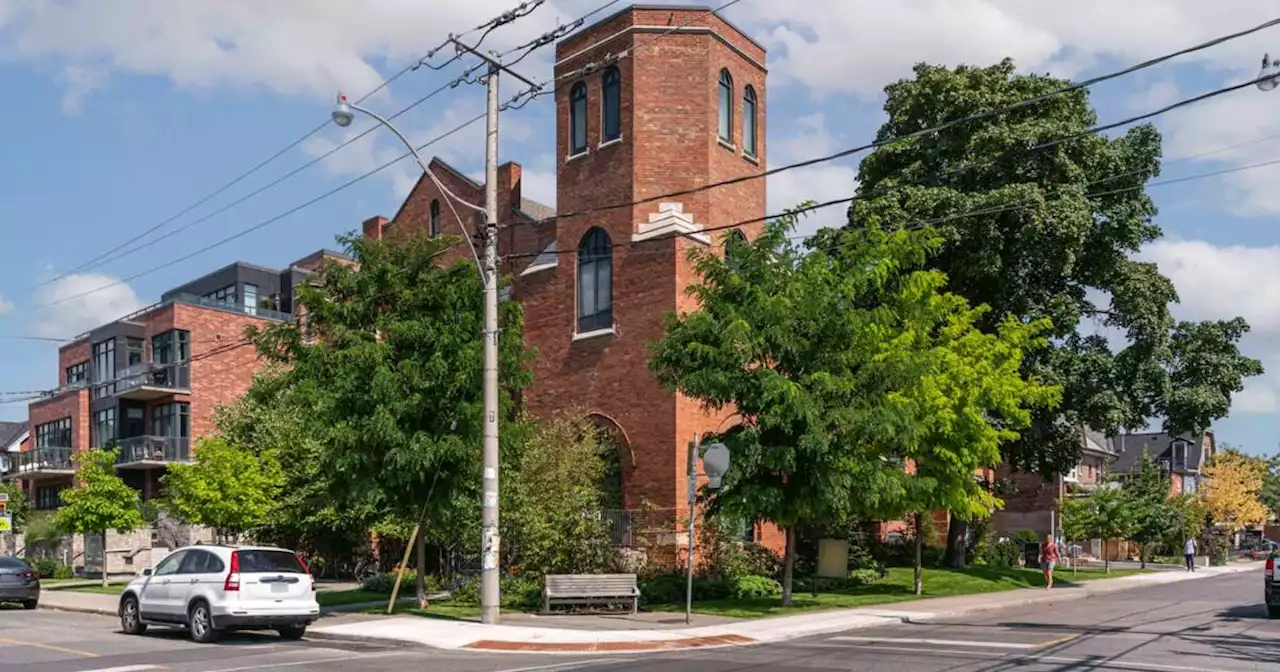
[662, 588]
[1026, 537]
[383, 582]
[63, 572]
[670, 588]
[1004, 554]
[521, 591]
[862, 577]
[747, 587]
[45, 567]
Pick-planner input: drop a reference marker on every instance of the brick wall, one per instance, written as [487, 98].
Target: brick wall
[71, 354]
[72, 404]
[1030, 502]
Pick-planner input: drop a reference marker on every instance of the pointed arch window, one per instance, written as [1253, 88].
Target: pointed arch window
[578, 119]
[749, 121]
[726, 106]
[611, 104]
[595, 281]
[435, 216]
[735, 243]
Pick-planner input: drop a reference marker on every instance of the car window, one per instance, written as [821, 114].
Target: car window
[200, 562]
[254, 562]
[169, 565]
[10, 562]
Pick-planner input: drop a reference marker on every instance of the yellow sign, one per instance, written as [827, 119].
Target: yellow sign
[6, 523]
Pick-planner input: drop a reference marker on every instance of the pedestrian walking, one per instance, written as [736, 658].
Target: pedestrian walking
[1048, 559]
[1189, 550]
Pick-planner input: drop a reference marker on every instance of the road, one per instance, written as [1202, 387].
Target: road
[1211, 624]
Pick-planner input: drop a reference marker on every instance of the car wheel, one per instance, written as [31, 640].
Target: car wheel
[30, 604]
[292, 634]
[200, 623]
[130, 618]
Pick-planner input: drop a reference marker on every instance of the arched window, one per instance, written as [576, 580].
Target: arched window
[578, 119]
[435, 217]
[726, 106]
[595, 281]
[749, 121]
[734, 242]
[611, 104]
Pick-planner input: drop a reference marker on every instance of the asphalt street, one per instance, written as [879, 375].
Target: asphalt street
[1210, 624]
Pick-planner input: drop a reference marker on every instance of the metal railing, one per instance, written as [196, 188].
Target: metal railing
[176, 376]
[153, 449]
[620, 524]
[256, 311]
[45, 459]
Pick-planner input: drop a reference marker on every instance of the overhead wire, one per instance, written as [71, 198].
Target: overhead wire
[110, 255]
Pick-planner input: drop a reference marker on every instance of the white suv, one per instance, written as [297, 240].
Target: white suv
[211, 588]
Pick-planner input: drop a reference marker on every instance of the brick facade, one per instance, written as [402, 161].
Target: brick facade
[669, 142]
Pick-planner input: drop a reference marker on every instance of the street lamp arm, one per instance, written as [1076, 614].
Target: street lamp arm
[418, 157]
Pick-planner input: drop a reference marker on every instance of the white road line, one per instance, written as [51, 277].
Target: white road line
[936, 642]
[126, 668]
[1094, 663]
[569, 665]
[312, 661]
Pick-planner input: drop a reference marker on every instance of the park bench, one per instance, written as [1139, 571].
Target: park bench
[590, 589]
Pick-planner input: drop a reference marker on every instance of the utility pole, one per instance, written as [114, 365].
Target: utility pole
[490, 578]
[490, 541]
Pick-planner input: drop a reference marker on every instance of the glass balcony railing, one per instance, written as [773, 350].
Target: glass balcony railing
[152, 450]
[44, 460]
[150, 380]
[256, 311]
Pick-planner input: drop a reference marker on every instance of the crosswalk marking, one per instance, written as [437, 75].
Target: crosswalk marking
[936, 642]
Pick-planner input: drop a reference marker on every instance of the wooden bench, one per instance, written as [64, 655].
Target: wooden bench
[590, 589]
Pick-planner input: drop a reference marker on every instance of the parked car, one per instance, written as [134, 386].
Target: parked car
[19, 582]
[210, 589]
[1271, 597]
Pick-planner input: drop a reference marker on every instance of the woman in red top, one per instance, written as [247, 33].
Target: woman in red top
[1048, 558]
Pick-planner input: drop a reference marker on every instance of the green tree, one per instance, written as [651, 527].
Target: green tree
[841, 362]
[553, 500]
[1038, 233]
[100, 502]
[227, 488]
[386, 367]
[1189, 517]
[19, 504]
[1105, 514]
[1154, 517]
[1270, 493]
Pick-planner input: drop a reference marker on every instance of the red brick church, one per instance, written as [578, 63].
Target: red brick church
[680, 110]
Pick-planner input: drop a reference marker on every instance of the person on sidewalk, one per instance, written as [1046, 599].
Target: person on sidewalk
[1048, 558]
[1189, 550]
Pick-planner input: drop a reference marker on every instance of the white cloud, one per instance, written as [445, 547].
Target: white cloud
[6, 306]
[1222, 282]
[79, 314]
[819, 183]
[78, 84]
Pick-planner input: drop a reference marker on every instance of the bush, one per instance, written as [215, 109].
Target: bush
[1004, 554]
[748, 587]
[862, 577]
[1026, 537]
[47, 568]
[670, 588]
[521, 591]
[385, 581]
[63, 572]
[664, 588]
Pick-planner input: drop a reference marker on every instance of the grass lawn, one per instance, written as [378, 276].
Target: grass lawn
[445, 609]
[333, 598]
[897, 587]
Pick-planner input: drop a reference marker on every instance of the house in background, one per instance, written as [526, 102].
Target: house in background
[12, 437]
[1031, 501]
[1182, 457]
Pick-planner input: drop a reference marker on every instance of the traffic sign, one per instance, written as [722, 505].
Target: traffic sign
[6, 523]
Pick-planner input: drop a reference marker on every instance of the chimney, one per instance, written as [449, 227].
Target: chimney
[508, 190]
[373, 226]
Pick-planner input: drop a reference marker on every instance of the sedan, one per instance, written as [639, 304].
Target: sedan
[18, 582]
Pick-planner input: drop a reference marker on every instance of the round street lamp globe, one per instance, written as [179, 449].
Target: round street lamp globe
[715, 461]
[342, 113]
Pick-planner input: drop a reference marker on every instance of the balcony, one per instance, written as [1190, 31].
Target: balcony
[255, 311]
[151, 381]
[146, 452]
[40, 464]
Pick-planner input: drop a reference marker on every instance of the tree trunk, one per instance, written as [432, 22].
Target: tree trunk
[919, 568]
[956, 534]
[104, 560]
[1142, 556]
[421, 581]
[1106, 557]
[788, 566]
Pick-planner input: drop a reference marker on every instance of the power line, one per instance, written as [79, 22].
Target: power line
[507, 17]
[937, 128]
[20, 337]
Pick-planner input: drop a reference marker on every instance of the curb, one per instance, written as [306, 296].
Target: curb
[79, 610]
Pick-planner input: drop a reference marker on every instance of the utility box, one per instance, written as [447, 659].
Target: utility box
[833, 558]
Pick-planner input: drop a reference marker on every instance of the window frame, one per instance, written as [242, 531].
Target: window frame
[78, 373]
[724, 122]
[171, 420]
[578, 94]
[595, 252]
[107, 417]
[103, 369]
[610, 96]
[750, 140]
[434, 223]
[250, 305]
[55, 434]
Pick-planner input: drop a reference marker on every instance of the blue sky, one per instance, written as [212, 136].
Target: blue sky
[121, 114]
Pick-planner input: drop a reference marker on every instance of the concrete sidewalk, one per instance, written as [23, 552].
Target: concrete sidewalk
[446, 634]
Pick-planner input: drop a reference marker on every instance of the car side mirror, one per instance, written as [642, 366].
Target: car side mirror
[146, 572]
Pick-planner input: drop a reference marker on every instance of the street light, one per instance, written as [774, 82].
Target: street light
[343, 114]
[1269, 67]
[715, 461]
